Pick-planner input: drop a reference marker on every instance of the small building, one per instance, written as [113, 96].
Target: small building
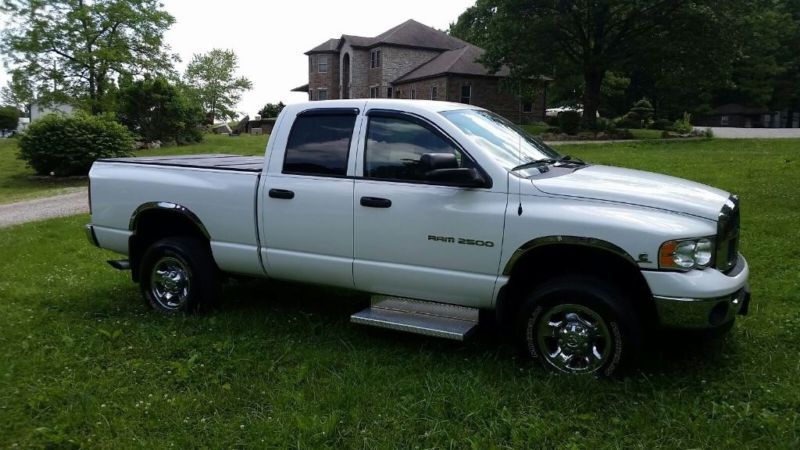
[414, 61]
[741, 116]
[39, 110]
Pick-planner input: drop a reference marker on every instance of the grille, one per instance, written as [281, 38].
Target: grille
[728, 235]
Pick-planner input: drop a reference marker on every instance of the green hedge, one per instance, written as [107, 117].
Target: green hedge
[68, 145]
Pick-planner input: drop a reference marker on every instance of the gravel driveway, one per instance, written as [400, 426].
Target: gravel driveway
[44, 208]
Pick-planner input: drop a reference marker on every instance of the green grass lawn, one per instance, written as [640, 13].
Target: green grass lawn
[17, 181]
[84, 363]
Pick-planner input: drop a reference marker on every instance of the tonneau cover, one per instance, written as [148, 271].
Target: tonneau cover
[207, 161]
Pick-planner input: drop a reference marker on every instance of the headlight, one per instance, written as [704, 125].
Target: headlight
[686, 254]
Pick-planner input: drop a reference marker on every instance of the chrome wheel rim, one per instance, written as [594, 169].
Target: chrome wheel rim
[574, 339]
[169, 283]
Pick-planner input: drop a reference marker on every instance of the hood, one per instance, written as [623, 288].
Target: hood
[637, 187]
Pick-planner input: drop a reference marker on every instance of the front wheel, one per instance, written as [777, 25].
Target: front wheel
[578, 325]
[178, 275]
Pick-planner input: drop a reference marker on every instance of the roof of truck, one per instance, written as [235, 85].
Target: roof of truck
[405, 104]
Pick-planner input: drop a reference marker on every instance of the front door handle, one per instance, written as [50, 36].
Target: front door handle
[281, 193]
[376, 202]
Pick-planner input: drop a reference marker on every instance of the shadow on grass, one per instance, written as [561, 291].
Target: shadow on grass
[269, 310]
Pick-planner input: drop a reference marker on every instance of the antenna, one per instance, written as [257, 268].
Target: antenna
[519, 182]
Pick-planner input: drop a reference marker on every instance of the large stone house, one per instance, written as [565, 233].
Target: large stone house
[414, 61]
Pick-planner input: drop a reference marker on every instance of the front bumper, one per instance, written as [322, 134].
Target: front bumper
[701, 313]
[700, 299]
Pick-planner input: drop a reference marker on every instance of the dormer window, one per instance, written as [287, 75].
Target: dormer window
[375, 59]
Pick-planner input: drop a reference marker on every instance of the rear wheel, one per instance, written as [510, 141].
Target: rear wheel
[178, 275]
[578, 325]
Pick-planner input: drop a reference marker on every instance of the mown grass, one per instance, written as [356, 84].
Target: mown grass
[84, 363]
[17, 181]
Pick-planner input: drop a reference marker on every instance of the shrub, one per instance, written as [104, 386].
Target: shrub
[640, 115]
[627, 122]
[9, 118]
[683, 125]
[662, 124]
[603, 124]
[157, 111]
[68, 145]
[569, 122]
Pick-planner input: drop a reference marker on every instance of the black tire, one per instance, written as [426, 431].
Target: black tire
[195, 285]
[587, 318]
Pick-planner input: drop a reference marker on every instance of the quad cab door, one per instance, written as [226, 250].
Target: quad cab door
[417, 235]
[307, 200]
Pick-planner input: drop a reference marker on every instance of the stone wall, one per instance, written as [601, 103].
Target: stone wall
[328, 80]
[359, 67]
[486, 92]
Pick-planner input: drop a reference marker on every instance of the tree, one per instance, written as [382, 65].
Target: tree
[9, 118]
[212, 77]
[532, 37]
[74, 49]
[18, 92]
[271, 109]
[155, 110]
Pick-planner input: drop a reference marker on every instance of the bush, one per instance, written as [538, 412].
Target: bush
[683, 125]
[158, 111]
[68, 145]
[604, 125]
[627, 122]
[9, 118]
[662, 124]
[569, 122]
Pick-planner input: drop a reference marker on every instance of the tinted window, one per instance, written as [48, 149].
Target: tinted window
[395, 147]
[318, 145]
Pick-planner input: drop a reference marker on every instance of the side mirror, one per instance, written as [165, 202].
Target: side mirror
[460, 176]
[434, 161]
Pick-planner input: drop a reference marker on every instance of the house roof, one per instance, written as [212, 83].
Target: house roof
[735, 108]
[303, 88]
[329, 46]
[462, 61]
[408, 34]
[414, 34]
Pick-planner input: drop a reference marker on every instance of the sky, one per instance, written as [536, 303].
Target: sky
[270, 36]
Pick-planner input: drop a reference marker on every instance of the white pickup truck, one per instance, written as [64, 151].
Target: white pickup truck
[448, 214]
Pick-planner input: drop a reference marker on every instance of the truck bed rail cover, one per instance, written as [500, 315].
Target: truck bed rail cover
[208, 161]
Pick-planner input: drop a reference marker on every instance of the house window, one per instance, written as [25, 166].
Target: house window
[723, 120]
[322, 63]
[527, 106]
[373, 92]
[413, 94]
[322, 94]
[434, 93]
[375, 59]
[466, 94]
[389, 92]
[310, 94]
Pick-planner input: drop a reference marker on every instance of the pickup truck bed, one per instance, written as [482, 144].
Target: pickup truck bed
[210, 161]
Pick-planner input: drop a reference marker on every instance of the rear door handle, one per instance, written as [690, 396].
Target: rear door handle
[281, 193]
[376, 202]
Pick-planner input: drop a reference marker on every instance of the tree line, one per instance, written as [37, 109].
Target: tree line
[681, 55]
[108, 57]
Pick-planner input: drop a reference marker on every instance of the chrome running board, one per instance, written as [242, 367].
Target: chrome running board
[419, 317]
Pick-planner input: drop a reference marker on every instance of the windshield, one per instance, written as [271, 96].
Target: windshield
[508, 144]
